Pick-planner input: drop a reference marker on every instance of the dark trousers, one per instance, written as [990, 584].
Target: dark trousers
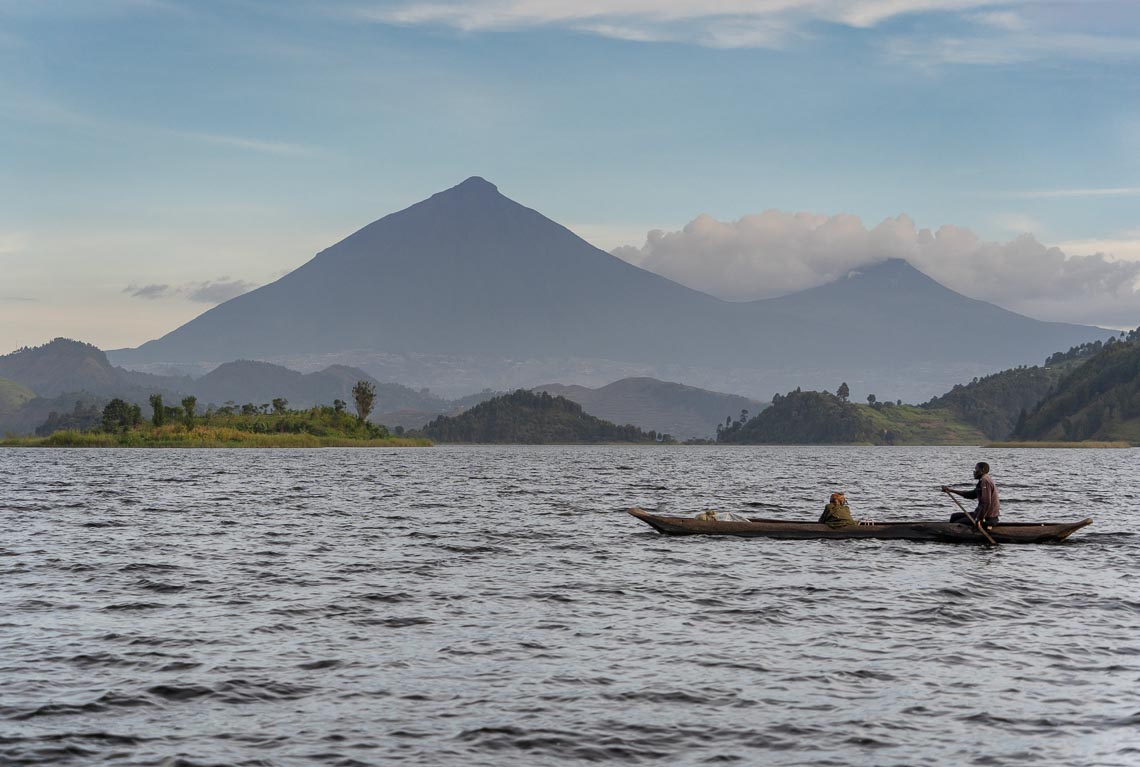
[960, 516]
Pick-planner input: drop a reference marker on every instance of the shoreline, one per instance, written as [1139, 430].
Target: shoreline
[1057, 445]
[204, 440]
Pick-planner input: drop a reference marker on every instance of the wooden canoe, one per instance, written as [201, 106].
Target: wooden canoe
[924, 530]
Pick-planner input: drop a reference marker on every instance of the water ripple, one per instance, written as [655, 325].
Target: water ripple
[491, 605]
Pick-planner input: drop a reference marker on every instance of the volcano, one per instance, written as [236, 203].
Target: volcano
[469, 282]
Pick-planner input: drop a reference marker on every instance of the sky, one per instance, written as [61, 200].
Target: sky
[160, 156]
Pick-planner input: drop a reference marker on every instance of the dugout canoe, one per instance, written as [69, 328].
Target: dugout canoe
[923, 530]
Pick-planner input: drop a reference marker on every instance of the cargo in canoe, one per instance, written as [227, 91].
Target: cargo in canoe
[924, 530]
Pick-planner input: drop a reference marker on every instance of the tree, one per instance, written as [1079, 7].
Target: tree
[279, 405]
[871, 399]
[339, 405]
[159, 417]
[843, 392]
[120, 416]
[364, 395]
[189, 405]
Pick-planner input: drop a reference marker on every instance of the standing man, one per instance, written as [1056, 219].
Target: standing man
[986, 494]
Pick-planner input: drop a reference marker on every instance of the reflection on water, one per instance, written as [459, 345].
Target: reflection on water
[471, 606]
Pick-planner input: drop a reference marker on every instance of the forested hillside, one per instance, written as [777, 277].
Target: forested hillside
[822, 418]
[13, 396]
[1098, 400]
[801, 417]
[528, 418]
[993, 403]
[60, 366]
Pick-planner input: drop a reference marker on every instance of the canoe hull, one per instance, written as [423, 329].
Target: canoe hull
[923, 530]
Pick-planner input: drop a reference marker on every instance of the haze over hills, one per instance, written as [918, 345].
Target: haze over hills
[468, 289]
[62, 372]
[68, 371]
[667, 408]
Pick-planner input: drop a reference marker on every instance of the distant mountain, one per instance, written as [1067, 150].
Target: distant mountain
[670, 408]
[468, 289]
[260, 382]
[1098, 400]
[530, 418]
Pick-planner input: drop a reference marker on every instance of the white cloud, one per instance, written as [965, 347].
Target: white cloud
[778, 252]
[240, 142]
[38, 110]
[1124, 247]
[217, 291]
[85, 8]
[716, 23]
[149, 292]
[206, 292]
[993, 31]
[1004, 38]
[1017, 223]
[608, 236]
[1048, 194]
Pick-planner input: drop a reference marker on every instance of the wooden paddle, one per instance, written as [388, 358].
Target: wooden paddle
[977, 523]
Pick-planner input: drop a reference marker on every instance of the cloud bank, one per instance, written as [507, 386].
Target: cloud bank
[208, 292]
[777, 252]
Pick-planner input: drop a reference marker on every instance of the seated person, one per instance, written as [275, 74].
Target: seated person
[985, 493]
[837, 513]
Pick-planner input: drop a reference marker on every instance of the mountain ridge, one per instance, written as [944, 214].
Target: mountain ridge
[469, 283]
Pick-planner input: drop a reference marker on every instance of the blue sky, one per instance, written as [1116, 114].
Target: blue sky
[157, 155]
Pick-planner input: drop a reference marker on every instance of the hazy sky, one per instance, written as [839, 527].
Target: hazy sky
[158, 156]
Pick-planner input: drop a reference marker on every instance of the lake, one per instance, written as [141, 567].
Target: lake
[494, 605]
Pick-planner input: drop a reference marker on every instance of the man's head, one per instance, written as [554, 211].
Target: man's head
[981, 468]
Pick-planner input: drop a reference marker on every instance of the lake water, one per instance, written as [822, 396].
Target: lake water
[494, 606]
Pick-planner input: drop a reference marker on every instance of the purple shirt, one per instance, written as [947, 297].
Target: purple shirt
[989, 507]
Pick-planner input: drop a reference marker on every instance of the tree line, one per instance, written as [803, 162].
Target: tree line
[119, 415]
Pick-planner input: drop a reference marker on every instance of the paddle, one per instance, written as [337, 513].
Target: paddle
[977, 523]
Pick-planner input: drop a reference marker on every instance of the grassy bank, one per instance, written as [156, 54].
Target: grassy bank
[1087, 445]
[204, 436]
[909, 425]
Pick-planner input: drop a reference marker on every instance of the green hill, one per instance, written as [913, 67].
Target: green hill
[821, 418]
[528, 418]
[60, 366]
[993, 403]
[1098, 400]
[13, 396]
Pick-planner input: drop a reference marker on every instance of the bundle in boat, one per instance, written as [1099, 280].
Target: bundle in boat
[921, 530]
